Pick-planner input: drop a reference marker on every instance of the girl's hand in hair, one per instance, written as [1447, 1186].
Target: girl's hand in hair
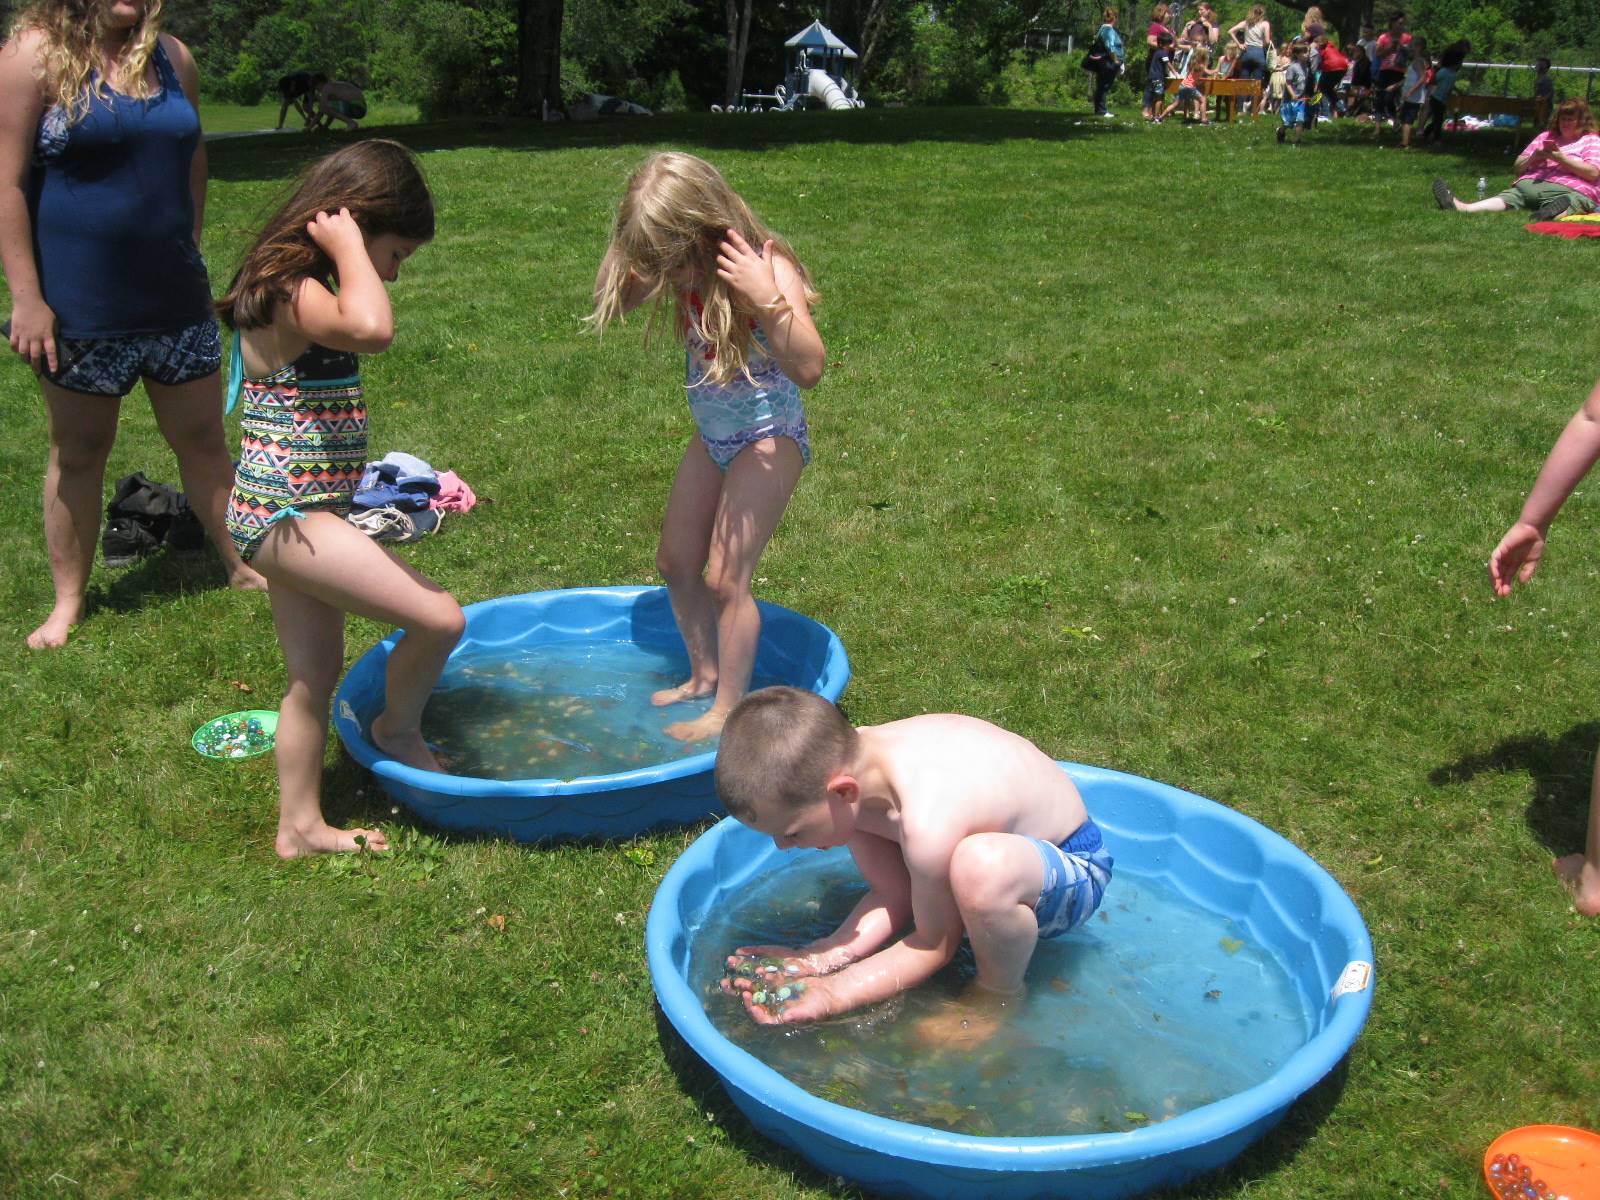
[337, 234]
[746, 272]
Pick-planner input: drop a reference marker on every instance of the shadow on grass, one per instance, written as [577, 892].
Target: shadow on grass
[1277, 1148]
[1561, 768]
[248, 158]
[155, 577]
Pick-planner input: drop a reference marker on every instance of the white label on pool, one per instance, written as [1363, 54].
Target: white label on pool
[1357, 976]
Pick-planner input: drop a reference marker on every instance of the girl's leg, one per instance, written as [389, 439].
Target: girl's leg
[1491, 204]
[1581, 872]
[329, 560]
[82, 430]
[189, 416]
[312, 636]
[755, 492]
[681, 559]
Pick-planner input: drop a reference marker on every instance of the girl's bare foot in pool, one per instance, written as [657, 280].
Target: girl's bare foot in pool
[323, 838]
[1583, 881]
[707, 725]
[691, 690]
[57, 626]
[406, 747]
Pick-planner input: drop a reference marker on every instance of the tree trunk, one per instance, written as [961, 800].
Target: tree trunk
[872, 27]
[738, 46]
[538, 56]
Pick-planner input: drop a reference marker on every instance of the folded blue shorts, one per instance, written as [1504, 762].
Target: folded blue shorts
[1075, 876]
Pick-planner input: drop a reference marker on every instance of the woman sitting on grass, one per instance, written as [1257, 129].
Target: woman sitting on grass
[1560, 170]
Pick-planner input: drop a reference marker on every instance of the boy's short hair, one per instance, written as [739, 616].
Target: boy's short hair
[1542, 64]
[783, 743]
[1163, 39]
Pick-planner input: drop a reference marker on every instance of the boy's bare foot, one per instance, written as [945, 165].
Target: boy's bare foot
[1582, 879]
[959, 1027]
[684, 691]
[707, 725]
[57, 626]
[323, 838]
[245, 578]
[406, 747]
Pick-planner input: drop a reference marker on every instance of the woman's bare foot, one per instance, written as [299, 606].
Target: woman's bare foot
[406, 747]
[1582, 879]
[57, 626]
[707, 725]
[323, 838]
[691, 690]
[246, 578]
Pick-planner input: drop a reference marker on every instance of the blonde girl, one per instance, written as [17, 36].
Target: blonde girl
[309, 297]
[741, 301]
[102, 197]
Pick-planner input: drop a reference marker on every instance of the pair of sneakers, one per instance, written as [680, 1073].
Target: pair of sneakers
[144, 516]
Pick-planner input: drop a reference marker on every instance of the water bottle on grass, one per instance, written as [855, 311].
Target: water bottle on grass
[1483, 186]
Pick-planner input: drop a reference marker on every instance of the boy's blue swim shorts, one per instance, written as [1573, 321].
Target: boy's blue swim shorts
[1075, 876]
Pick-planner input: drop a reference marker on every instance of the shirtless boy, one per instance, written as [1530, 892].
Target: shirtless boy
[956, 824]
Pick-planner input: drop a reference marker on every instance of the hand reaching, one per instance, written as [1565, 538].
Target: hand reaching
[785, 1001]
[746, 272]
[1516, 557]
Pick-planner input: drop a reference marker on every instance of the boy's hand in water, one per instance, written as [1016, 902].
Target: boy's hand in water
[787, 1003]
[753, 961]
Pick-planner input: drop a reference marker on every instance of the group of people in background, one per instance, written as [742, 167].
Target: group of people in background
[1387, 78]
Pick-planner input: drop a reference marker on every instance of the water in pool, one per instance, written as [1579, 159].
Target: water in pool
[1154, 1008]
[559, 710]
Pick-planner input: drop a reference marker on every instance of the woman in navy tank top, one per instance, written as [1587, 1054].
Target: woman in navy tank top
[102, 191]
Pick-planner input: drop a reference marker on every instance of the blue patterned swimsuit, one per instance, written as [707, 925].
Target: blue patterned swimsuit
[732, 415]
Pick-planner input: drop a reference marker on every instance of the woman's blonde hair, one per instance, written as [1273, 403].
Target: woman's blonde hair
[1160, 13]
[72, 31]
[675, 213]
[1574, 106]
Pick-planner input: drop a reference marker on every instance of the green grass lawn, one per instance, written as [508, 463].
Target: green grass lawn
[1176, 451]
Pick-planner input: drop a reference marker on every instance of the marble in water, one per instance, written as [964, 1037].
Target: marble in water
[559, 710]
[1155, 1007]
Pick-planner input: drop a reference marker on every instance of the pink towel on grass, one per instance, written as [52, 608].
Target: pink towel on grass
[454, 494]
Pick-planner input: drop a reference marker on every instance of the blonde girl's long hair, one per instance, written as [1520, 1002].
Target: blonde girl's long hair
[676, 211]
[72, 31]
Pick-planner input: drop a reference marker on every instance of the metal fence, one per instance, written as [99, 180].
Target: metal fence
[1525, 87]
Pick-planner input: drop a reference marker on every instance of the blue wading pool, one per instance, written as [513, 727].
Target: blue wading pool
[1216, 858]
[794, 649]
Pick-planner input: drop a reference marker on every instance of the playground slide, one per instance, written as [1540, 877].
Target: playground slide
[821, 86]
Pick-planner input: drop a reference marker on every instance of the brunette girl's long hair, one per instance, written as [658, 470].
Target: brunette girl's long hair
[675, 213]
[381, 184]
[72, 31]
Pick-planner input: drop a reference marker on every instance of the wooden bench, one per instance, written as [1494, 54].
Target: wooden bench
[1228, 93]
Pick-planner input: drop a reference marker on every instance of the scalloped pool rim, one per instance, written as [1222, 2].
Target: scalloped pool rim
[900, 1158]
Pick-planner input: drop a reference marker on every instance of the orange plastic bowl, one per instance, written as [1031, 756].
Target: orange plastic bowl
[1567, 1159]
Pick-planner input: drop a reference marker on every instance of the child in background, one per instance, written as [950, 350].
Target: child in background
[307, 299]
[742, 303]
[1226, 62]
[1358, 99]
[1515, 560]
[1157, 69]
[1189, 92]
[956, 825]
[1292, 114]
[1332, 68]
[1275, 85]
[1544, 87]
[1444, 82]
[1414, 90]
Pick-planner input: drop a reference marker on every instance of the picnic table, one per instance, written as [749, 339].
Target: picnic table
[1227, 93]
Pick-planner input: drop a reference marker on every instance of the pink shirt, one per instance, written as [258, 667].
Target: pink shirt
[1585, 149]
